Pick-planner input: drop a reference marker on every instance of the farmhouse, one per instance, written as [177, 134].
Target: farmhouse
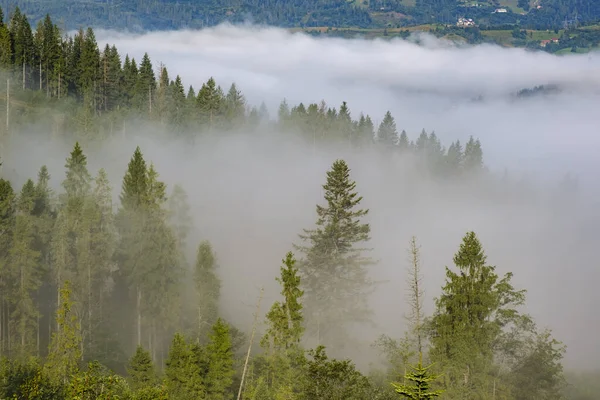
[465, 22]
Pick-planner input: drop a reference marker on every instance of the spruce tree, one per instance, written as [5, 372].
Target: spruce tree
[285, 318]
[334, 270]
[387, 134]
[422, 379]
[470, 314]
[25, 273]
[284, 331]
[65, 350]
[185, 370]
[141, 369]
[208, 287]
[179, 216]
[473, 156]
[219, 377]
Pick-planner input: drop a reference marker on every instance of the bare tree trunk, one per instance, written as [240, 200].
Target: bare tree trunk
[139, 317]
[416, 293]
[239, 396]
[7, 105]
[89, 316]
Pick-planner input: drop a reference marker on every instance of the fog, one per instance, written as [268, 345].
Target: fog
[252, 196]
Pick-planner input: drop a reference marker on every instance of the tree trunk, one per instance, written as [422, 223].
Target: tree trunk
[139, 317]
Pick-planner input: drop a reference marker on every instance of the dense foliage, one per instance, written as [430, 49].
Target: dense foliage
[92, 293]
[170, 14]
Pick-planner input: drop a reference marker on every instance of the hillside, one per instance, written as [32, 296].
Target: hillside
[170, 14]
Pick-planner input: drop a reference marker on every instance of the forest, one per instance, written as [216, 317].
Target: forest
[143, 15]
[102, 298]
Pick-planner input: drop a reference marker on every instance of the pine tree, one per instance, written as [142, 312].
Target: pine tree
[25, 272]
[474, 307]
[208, 287]
[184, 370]
[422, 379]
[210, 102]
[454, 158]
[7, 220]
[473, 155]
[102, 246]
[235, 107]
[387, 133]
[141, 369]
[334, 271]
[219, 377]
[403, 142]
[284, 332]
[179, 216]
[285, 318]
[65, 349]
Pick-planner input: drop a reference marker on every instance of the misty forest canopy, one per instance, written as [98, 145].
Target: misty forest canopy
[100, 300]
[171, 14]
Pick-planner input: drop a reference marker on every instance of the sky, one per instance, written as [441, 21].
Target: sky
[255, 196]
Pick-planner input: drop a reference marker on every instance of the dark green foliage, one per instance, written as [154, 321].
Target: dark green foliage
[285, 318]
[333, 379]
[421, 380]
[219, 353]
[141, 369]
[26, 380]
[184, 370]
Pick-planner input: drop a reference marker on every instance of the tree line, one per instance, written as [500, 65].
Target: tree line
[68, 84]
[168, 14]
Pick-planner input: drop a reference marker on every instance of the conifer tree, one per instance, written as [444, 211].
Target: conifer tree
[25, 272]
[454, 158]
[473, 155]
[387, 133]
[235, 106]
[141, 369]
[65, 349]
[208, 287]
[284, 331]
[7, 217]
[334, 270]
[422, 379]
[285, 318]
[102, 247]
[185, 368]
[179, 216]
[327, 378]
[219, 377]
[474, 307]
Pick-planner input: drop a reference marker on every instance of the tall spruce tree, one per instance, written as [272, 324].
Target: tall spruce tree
[65, 350]
[334, 270]
[24, 273]
[284, 332]
[208, 288]
[219, 353]
[475, 305]
[184, 372]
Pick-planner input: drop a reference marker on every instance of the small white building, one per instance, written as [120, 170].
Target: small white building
[465, 22]
[500, 10]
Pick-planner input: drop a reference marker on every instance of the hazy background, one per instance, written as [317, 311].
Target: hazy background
[252, 196]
